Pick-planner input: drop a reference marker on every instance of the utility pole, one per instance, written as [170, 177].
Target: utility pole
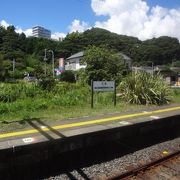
[45, 60]
[51, 51]
[14, 65]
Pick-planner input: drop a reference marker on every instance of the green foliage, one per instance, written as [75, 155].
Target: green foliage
[176, 63]
[105, 98]
[29, 97]
[1, 68]
[99, 37]
[67, 76]
[10, 92]
[74, 97]
[103, 64]
[177, 91]
[29, 52]
[143, 88]
[47, 84]
[82, 76]
[162, 50]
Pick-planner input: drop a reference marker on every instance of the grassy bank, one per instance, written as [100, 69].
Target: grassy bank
[22, 102]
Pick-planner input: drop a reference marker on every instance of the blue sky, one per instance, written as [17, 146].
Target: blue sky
[164, 3]
[59, 15]
[56, 15]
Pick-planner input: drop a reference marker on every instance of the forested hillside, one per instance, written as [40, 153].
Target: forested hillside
[28, 52]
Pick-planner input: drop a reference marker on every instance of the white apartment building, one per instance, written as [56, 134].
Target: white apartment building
[41, 32]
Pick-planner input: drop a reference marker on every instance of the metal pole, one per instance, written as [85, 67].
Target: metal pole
[114, 93]
[52, 61]
[92, 93]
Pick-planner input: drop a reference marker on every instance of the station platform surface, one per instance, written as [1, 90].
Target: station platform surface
[39, 132]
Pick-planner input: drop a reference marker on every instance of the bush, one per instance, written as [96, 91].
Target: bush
[67, 76]
[47, 84]
[70, 95]
[144, 88]
[9, 92]
[30, 90]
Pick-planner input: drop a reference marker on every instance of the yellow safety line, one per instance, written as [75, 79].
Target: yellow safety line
[64, 126]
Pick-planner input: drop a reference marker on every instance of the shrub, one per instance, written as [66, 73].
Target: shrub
[67, 76]
[103, 97]
[31, 90]
[74, 95]
[144, 88]
[9, 92]
[47, 84]
[177, 91]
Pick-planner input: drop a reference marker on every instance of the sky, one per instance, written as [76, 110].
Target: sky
[144, 19]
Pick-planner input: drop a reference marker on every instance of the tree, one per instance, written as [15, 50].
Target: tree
[98, 37]
[1, 68]
[73, 43]
[67, 76]
[148, 53]
[103, 64]
[29, 51]
[160, 50]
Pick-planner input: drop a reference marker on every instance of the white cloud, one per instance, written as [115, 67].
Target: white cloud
[27, 32]
[79, 26]
[136, 18]
[4, 24]
[58, 35]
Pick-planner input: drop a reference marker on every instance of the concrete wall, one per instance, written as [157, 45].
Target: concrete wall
[34, 153]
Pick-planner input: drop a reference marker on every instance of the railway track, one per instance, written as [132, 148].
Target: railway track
[166, 167]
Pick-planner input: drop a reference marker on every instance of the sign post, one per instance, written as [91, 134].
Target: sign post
[92, 94]
[114, 93]
[102, 86]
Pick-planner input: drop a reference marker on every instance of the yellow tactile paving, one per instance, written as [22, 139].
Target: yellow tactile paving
[95, 121]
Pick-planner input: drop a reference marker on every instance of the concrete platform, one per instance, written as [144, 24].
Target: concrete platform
[42, 140]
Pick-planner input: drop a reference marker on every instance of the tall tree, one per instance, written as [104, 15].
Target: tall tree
[1, 68]
[103, 64]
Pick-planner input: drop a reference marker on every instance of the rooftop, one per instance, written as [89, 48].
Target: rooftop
[79, 54]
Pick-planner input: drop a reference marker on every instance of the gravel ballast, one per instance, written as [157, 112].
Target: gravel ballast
[121, 163]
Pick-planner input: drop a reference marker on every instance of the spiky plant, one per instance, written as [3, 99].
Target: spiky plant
[144, 88]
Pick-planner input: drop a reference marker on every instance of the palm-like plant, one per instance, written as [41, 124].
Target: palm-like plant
[144, 88]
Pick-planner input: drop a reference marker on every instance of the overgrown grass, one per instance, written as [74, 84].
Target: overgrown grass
[19, 120]
[22, 102]
[176, 95]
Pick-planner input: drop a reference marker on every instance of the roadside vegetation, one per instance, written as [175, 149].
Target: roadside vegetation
[22, 102]
[28, 52]
[144, 88]
[69, 94]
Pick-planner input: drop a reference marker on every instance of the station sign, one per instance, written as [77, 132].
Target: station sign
[103, 85]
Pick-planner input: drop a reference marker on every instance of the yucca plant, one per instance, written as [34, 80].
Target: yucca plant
[144, 88]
